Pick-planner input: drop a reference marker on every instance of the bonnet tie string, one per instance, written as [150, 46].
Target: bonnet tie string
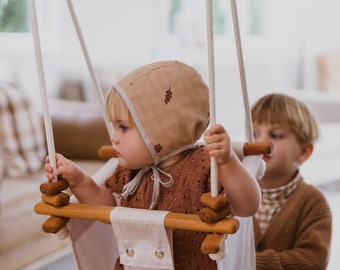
[156, 184]
[131, 187]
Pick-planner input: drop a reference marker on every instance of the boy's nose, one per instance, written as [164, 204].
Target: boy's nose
[261, 138]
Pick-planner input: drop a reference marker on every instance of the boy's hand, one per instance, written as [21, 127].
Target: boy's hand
[218, 144]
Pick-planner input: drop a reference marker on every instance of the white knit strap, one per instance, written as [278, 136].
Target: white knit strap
[143, 241]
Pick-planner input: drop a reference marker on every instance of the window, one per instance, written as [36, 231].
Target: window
[256, 17]
[14, 17]
[179, 9]
[15, 25]
[185, 26]
[221, 12]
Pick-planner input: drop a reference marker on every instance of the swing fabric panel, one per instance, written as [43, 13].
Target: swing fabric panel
[94, 244]
[142, 239]
[90, 238]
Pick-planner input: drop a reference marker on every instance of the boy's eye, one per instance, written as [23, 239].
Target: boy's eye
[276, 136]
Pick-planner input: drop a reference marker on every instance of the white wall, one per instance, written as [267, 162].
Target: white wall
[123, 34]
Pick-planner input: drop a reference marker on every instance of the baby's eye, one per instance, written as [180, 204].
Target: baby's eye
[123, 127]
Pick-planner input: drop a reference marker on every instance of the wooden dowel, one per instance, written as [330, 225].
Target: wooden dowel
[209, 215]
[172, 220]
[217, 203]
[54, 224]
[257, 148]
[53, 188]
[212, 243]
[59, 199]
[106, 152]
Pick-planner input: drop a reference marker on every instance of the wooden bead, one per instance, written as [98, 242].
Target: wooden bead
[54, 224]
[209, 215]
[53, 188]
[217, 203]
[212, 243]
[59, 199]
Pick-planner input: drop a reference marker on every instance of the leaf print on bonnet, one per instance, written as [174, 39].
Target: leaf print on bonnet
[168, 95]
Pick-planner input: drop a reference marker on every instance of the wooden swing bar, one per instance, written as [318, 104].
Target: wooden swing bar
[172, 220]
[248, 149]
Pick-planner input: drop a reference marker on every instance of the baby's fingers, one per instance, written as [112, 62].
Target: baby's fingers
[216, 129]
[49, 171]
[49, 176]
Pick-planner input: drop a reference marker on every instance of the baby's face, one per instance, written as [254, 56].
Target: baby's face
[128, 143]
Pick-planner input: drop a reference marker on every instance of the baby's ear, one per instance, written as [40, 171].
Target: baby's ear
[306, 152]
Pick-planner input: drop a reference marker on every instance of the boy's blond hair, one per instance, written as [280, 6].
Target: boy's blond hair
[288, 112]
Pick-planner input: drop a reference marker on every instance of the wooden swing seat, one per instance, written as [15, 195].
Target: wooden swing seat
[217, 231]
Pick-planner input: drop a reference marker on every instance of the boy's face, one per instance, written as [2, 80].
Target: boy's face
[283, 162]
[128, 144]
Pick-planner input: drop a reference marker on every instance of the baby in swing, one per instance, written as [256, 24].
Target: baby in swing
[159, 112]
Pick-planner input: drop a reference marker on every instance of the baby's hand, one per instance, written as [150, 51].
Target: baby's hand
[218, 143]
[66, 169]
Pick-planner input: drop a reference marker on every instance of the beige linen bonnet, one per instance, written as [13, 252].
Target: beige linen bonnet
[169, 103]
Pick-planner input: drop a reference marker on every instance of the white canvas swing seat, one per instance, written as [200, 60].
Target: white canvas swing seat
[154, 232]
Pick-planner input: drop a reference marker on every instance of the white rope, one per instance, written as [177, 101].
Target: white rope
[249, 125]
[212, 107]
[43, 92]
[89, 63]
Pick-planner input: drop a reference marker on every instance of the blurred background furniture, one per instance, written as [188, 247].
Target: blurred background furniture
[328, 66]
[79, 131]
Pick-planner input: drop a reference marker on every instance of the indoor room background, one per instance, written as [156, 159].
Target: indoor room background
[281, 43]
[290, 46]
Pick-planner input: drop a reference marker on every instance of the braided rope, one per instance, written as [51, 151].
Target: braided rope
[89, 63]
[249, 125]
[43, 92]
[212, 106]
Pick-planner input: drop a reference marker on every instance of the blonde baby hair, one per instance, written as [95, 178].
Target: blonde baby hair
[112, 101]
